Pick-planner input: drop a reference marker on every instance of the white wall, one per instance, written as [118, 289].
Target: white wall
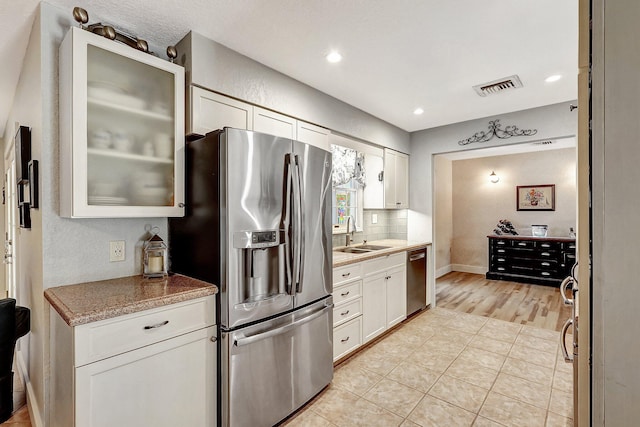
[479, 204]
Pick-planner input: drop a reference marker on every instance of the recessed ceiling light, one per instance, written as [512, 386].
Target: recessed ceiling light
[334, 57]
[418, 111]
[553, 78]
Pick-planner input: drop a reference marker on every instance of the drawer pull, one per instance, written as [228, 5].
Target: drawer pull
[522, 244]
[546, 264]
[344, 294]
[501, 251]
[501, 269]
[545, 245]
[344, 313]
[501, 243]
[157, 325]
[501, 259]
[346, 274]
[545, 254]
[344, 339]
[544, 273]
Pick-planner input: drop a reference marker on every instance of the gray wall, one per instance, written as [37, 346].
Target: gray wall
[218, 68]
[553, 121]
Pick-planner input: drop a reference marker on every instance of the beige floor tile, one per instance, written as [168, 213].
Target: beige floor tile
[308, 418]
[355, 379]
[483, 358]
[459, 393]
[467, 323]
[554, 420]
[391, 346]
[365, 414]
[563, 381]
[433, 412]
[512, 412]
[472, 373]
[450, 335]
[504, 325]
[532, 355]
[562, 365]
[377, 361]
[434, 361]
[441, 345]
[409, 423]
[501, 333]
[334, 404]
[414, 375]
[395, 397]
[550, 346]
[528, 371]
[546, 334]
[489, 344]
[485, 422]
[561, 403]
[526, 391]
[410, 338]
[419, 328]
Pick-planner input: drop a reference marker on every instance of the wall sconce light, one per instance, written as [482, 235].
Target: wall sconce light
[493, 177]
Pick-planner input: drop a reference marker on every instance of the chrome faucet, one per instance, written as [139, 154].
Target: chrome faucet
[349, 237]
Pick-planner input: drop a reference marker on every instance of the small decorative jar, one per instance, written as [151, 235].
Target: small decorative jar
[155, 257]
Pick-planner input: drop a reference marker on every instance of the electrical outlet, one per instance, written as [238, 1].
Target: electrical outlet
[374, 218]
[116, 250]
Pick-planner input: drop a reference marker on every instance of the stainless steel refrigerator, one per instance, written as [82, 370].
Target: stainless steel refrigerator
[258, 225]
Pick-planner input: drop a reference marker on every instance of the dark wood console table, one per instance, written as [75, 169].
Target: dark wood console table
[527, 259]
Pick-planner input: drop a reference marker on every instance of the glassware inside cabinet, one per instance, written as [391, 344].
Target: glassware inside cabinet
[130, 131]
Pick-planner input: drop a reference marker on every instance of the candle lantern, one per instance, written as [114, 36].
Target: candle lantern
[155, 257]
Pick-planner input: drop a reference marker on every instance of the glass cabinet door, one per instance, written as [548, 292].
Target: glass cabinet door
[127, 154]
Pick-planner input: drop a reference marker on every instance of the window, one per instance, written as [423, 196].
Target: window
[347, 192]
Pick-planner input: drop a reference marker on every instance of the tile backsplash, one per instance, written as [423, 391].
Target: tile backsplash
[392, 224]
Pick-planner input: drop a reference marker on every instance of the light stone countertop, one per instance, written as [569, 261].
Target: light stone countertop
[395, 246]
[89, 302]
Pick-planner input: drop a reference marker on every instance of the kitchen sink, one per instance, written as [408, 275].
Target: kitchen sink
[362, 249]
[372, 247]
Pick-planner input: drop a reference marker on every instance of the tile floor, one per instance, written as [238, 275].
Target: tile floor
[444, 368]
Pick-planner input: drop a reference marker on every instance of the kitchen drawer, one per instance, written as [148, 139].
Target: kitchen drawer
[99, 340]
[383, 263]
[347, 337]
[523, 244]
[347, 292]
[569, 246]
[346, 273]
[347, 311]
[548, 245]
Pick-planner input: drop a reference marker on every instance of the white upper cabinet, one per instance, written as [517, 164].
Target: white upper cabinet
[266, 121]
[314, 135]
[396, 179]
[374, 180]
[121, 130]
[209, 111]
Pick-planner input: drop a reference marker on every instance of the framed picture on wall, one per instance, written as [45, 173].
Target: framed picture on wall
[536, 197]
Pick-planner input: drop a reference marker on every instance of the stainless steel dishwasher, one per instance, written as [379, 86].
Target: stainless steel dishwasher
[416, 280]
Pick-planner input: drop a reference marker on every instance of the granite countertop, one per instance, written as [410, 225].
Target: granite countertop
[89, 302]
[395, 246]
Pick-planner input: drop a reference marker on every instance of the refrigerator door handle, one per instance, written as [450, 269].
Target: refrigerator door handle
[298, 231]
[568, 281]
[242, 341]
[286, 223]
[563, 341]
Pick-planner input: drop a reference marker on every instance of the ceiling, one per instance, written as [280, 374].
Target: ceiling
[397, 56]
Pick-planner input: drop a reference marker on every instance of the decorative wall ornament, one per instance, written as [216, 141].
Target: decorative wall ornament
[495, 129]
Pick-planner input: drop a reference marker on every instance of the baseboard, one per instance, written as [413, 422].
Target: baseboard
[443, 270]
[34, 411]
[475, 269]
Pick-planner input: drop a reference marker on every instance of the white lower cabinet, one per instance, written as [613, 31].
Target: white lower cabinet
[347, 311]
[384, 296]
[166, 381]
[347, 338]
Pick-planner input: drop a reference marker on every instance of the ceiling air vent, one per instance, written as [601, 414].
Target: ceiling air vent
[498, 86]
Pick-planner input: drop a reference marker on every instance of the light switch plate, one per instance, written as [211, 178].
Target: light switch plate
[116, 250]
[374, 218]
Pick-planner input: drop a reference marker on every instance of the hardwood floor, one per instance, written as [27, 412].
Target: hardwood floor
[534, 305]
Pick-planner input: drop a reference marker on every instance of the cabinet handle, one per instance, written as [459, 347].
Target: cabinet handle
[522, 244]
[181, 205]
[545, 254]
[213, 339]
[545, 245]
[157, 325]
[398, 203]
[501, 251]
[501, 243]
[545, 273]
[500, 259]
[344, 294]
[346, 274]
[388, 277]
[344, 313]
[501, 269]
[344, 339]
[546, 264]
